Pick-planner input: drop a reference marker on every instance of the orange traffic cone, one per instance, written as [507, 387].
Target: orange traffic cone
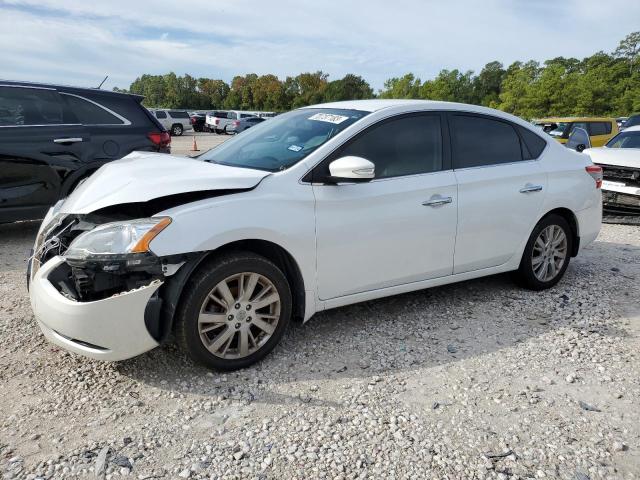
[194, 148]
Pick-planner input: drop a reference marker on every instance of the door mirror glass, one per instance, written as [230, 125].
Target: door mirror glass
[352, 169]
[578, 140]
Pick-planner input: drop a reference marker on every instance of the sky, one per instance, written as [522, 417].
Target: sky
[78, 42]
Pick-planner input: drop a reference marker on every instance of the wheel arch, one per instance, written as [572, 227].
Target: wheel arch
[572, 220]
[173, 289]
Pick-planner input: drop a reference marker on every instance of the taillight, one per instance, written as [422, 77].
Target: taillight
[193, 120]
[596, 173]
[161, 139]
[236, 123]
[216, 121]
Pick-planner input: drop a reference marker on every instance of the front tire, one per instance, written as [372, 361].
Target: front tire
[546, 255]
[177, 130]
[235, 311]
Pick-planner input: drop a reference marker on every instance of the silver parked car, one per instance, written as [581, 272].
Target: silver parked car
[175, 121]
[241, 125]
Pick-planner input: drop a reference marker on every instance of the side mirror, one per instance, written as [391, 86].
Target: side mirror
[351, 169]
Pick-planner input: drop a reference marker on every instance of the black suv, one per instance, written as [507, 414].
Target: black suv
[52, 137]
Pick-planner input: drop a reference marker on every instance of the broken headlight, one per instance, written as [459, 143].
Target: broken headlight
[116, 239]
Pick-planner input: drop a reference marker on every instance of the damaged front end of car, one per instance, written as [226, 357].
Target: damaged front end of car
[621, 189]
[101, 256]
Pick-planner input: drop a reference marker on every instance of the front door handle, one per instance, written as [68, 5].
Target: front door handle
[67, 140]
[530, 188]
[436, 201]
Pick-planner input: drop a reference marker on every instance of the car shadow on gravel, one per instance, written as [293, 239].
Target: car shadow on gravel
[417, 330]
[16, 239]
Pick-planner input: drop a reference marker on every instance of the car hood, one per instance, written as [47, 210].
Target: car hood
[620, 157]
[141, 176]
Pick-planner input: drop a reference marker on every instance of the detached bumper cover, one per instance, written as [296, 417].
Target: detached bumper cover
[109, 329]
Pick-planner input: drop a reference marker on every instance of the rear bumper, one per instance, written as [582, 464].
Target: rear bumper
[109, 329]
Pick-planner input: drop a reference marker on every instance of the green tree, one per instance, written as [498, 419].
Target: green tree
[449, 86]
[268, 93]
[486, 86]
[350, 87]
[629, 49]
[407, 86]
[515, 95]
[215, 91]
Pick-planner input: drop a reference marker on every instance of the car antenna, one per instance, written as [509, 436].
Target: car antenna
[102, 82]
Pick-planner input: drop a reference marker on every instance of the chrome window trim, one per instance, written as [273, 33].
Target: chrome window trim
[43, 125]
[117, 115]
[27, 86]
[493, 165]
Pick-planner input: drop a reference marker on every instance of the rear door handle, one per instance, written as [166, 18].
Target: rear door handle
[436, 201]
[67, 140]
[530, 188]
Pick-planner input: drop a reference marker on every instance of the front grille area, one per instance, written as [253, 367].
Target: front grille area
[629, 175]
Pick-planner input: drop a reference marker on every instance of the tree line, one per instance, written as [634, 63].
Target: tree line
[602, 84]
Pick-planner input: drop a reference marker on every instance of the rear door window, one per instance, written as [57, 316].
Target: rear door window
[30, 106]
[479, 141]
[574, 125]
[599, 128]
[178, 114]
[533, 144]
[91, 113]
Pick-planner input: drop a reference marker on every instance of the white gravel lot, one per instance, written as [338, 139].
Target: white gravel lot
[469, 381]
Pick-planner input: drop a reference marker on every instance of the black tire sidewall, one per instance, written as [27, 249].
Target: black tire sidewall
[525, 272]
[203, 281]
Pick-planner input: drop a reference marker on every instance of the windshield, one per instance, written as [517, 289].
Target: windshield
[632, 121]
[625, 140]
[284, 140]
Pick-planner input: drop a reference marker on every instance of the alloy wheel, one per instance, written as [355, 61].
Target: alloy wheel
[549, 253]
[239, 315]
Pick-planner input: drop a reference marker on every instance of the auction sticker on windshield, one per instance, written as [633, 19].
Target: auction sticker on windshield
[328, 117]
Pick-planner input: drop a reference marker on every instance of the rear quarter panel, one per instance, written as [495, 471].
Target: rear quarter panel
[571, 187]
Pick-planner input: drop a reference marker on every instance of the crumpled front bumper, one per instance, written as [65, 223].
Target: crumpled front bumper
[621, 196]
[109, 329]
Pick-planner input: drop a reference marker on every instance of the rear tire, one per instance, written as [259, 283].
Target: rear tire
[546, 255]
[221, 322]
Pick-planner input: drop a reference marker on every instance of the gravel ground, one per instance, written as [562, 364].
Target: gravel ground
[469, 381]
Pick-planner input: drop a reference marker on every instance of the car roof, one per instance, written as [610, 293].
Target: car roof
[409, 104]
[67, 88]
[575, 119]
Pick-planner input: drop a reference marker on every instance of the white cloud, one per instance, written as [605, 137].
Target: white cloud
[78, 42]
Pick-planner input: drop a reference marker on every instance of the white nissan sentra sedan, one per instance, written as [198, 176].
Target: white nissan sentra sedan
[320, 207]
